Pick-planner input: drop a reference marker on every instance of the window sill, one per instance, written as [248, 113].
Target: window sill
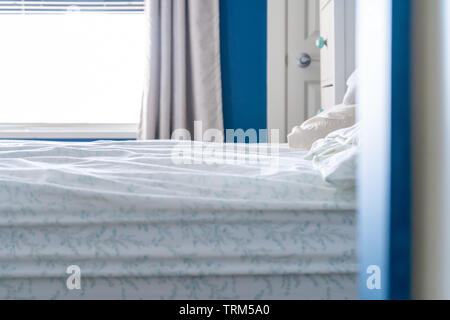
[68, 131]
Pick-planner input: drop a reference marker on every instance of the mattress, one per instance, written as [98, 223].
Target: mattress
[172, 220]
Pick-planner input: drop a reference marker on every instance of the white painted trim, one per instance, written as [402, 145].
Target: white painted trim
[276, 66]
[340, 54]
[350, 38]
[68, 131]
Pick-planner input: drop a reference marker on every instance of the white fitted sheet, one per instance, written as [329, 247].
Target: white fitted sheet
[140, 225]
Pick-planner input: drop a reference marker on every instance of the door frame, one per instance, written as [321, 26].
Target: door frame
[384, 195]
[431, 150]
[277, 32]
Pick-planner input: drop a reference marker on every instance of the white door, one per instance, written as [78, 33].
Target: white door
[303, 82]
[293, 92]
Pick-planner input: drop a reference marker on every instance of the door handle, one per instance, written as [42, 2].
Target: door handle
[304, 60]
[321, 42]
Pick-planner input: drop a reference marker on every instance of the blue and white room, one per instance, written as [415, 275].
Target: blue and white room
[224, 150]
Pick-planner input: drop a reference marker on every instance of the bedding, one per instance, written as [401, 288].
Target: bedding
[141, 224]
[335, 156]
[337, 117]
[318, 127]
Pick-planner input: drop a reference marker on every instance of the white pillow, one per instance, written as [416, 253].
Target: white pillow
[335, 118]
[352, 84]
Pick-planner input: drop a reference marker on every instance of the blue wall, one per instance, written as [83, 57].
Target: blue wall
[401, 153]
[243, 49]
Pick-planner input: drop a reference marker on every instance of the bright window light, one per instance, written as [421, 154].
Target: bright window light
[71, 68]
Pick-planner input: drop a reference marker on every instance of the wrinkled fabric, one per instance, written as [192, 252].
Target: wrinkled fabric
[318, 127]
[140, 224]
[336, 156]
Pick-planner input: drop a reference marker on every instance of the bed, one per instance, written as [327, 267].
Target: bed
[141, 224]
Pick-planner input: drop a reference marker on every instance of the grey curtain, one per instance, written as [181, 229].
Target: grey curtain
[183, 76]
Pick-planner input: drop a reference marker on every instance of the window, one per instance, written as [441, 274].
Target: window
[68, 65]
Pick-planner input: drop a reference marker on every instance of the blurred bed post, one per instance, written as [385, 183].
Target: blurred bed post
[431, 277]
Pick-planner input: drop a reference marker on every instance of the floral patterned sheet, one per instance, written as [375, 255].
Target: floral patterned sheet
[221, 222]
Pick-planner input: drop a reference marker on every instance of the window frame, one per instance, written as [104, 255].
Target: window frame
[72, 131]
[64, 131]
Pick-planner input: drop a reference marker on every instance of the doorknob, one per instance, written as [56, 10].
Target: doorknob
[304, 61]
[321, 42]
